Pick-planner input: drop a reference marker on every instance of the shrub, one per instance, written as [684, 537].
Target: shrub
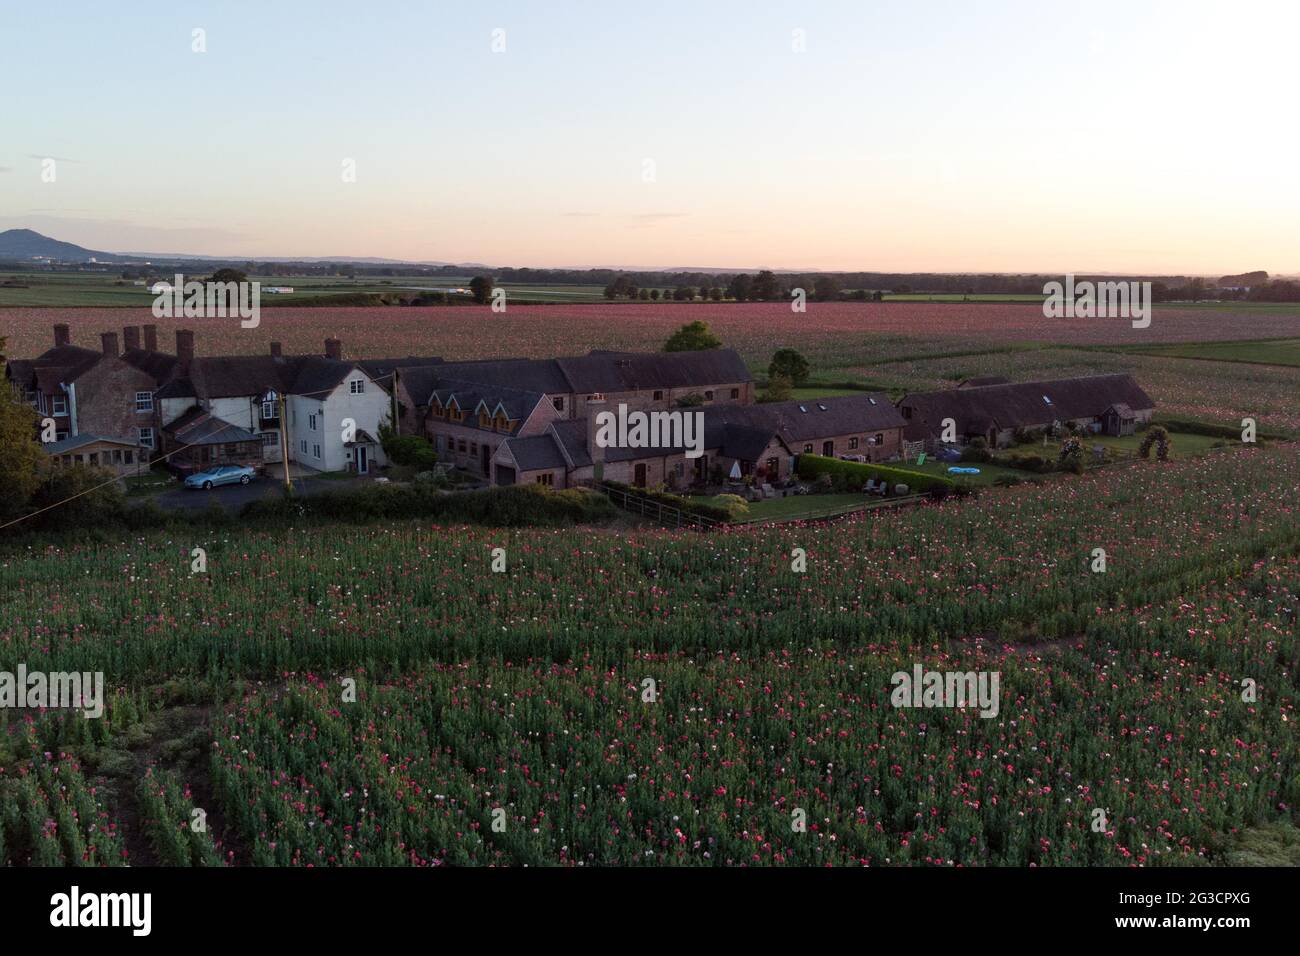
[513, 506]
[411, 450]
[977, 450]
[690, 506]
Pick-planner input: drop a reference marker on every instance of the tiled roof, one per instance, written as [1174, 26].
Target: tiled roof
[73, 442]
[1023, 404]
[199, 427]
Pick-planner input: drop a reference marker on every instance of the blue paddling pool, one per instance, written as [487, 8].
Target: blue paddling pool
[963, 471]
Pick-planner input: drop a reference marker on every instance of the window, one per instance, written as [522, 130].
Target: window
[546, 478]
[60, 406]
[144, 401]
[129, 456]
[117, 456]
[501, 423]
[230, 451]
[302, 444]
[659, 396]
[879, 439]
[708, 396]
[315, 451]
[94, 458]
[311, 422]
[1046, 400]
[735, 393]
[907, 412]
[146, 437]
[807, 449]
[270, 439]
[853, 443]
[268, 410]
[357, 386]
[484, 420]
[460, 446]
[558, 402]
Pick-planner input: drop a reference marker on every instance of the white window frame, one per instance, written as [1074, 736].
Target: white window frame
[357, 386]
[311, 421]
[315, 452]
[146, 437]
[59, 405]
[144, 404]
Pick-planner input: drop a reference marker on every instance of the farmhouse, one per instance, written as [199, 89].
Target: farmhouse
[747, 440]
[1110, 404]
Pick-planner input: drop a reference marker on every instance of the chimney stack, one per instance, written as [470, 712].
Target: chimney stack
[184, 348]
[62, 336]
[275, 350]
[333, 349]
[151, 338]
[595, 405]
[131, 337]
[110, 343]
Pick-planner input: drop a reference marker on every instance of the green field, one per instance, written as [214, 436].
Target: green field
[1256, 352]
[98, 289]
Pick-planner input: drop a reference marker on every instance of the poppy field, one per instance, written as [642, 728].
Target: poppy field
[376, 694]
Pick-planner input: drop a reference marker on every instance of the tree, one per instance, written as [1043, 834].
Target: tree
[779, 389]
[654, 295]
[826, 288]
[765, 286]
[229, 275]
[791, 365]
[481, 288]
[21, 459]
[692, 337]
[740, 287]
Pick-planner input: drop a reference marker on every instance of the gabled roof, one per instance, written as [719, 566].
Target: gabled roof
[627, 371]
[73, 442]
[157, 365]
[1024, 404]
[807, 420]
[230, 376]
[382, 368]
[536, 452]
[470, 396]
[200, 427]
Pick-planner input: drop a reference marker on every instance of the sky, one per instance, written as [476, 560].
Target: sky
[1133, 136]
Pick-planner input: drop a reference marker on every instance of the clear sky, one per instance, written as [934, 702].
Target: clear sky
[952, 136]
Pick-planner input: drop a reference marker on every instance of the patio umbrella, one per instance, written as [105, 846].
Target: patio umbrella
[735, 469]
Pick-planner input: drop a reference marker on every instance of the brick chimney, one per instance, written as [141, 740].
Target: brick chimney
[131, 337]
[275, 350]
[110, 343]
[62, 335]
[151, 338]
[184, 348]
[333, 348]
[595, 405]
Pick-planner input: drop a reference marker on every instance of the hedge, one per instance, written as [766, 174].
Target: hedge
[511, 506]
[1191, 426]
[811, 466]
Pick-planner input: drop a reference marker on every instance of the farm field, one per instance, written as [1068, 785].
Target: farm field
[896, 347]
[1277, 352]
[523, 692]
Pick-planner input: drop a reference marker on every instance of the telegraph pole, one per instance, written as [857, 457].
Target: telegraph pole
[284, 443]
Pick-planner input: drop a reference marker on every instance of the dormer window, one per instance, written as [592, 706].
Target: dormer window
[484, 420]
[501, 423]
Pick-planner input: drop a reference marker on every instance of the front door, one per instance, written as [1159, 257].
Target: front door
[363, 459]
[639, 479]
[485, 456]
[828, 449]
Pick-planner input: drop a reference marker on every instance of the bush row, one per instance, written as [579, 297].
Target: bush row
[513, 506]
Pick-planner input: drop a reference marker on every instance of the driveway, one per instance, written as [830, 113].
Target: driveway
[234, 497]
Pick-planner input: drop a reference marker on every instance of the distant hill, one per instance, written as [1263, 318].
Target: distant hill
[27, 244]
[1245, 279]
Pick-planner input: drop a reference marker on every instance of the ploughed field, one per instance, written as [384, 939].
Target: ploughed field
[899, 346]
[376, 694]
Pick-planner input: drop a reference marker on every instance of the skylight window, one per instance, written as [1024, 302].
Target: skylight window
[803, 409]
[871, 400]
[1046, 400]
[821, 406]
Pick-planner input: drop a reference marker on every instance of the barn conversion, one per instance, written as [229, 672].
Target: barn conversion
[1110, 404]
